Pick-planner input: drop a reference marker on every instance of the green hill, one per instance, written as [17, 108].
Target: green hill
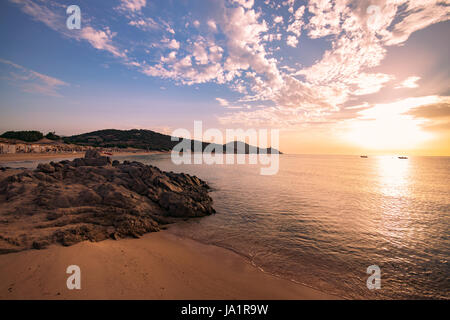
[145, 139]
[112, 138]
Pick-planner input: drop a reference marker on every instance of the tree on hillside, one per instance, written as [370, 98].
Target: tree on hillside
[52, 136]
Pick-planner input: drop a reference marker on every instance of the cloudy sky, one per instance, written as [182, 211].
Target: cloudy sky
[340, 76]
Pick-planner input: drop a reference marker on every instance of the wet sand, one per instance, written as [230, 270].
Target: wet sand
[157, 266]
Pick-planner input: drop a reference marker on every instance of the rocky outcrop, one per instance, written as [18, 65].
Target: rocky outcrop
[94, 199]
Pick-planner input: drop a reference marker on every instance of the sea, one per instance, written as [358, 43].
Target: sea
[329, 221]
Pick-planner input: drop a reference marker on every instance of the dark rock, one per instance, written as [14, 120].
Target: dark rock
[99, 161]
[45, 167]
[115, 236]
[62, 201]
[90, 199]
[38, 245]
[93, 160]
[92, 154]
[135, 235]
[79, 162]
[53, 216]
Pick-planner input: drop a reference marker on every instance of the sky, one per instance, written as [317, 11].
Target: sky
[335, 77]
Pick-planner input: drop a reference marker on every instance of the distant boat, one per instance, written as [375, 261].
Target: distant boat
[108, 153]
[403, 157]
[364, 157]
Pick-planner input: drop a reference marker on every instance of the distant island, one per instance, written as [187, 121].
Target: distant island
[136, 139]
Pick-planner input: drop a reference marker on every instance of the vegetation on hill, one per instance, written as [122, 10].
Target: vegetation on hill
[52, 136]
[139, 139]
[27, 136]
[147, 140]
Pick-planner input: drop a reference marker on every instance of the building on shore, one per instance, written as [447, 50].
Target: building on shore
[46, 146]
[42, 146]
[7, 148]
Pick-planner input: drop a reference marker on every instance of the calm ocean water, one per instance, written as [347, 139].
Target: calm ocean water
[322, 220]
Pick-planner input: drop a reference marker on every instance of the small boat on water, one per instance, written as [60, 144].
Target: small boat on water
[108, 153]
[403, 157]
[365, 157]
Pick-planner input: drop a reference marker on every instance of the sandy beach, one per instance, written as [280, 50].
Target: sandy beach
[10, 157]
[157, 266]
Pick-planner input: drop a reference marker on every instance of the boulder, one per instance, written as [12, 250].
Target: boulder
[92, 154]
[99, 161]
[45, 167]
[38, 245]
[90, 199]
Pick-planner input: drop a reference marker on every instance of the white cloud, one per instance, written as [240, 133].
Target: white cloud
[410, 83]
[292, 41]
[223, 102]
[272, 37]
[296, 26]
[299, 94]
[245, 48]
[351, 54]
[144, 24]
[368, 83]
[419, 15]
[268, 117]
[132, 5]
[170, 30]
[170, 58]
[31, 81]
[212, 25]
[326, 17]
[51, 14]
[299, 12]
[200, 54]
[215, 54]
[278, 19]
[101, 40]
[248, 4]
[173, 44]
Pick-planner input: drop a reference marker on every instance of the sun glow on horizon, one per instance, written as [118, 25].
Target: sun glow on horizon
[389, 126]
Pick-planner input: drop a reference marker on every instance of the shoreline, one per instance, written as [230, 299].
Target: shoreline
[19, 157]
[248, 260]
[159, 265]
